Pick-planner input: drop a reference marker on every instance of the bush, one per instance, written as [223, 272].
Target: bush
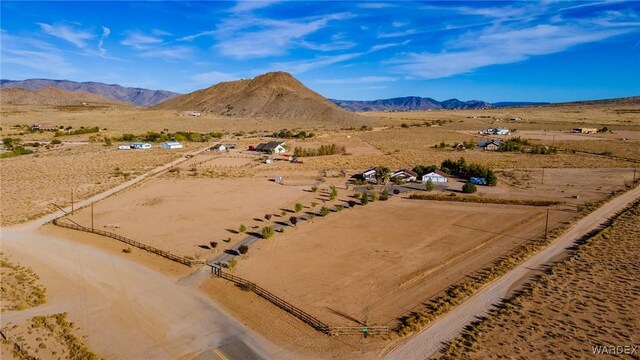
[324, 211]
[384, 197]
[429, 185]
[298, 207]
[268, 217]
[339, 208]
[127, 250]
[351, 203]
[242, 249]
[314, 188]
[469, 188]
[232, 263]
[334, 193]
[214, 244]
[375, 196]
[267, 232]
[294, 221]
[56, 141]
[364, 199]
[396, 191]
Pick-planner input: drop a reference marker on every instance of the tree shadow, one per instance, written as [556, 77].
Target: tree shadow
[346, 316]
[206, 247]
[233, 231]
[287, 210]
[254, 234]
[258, 219]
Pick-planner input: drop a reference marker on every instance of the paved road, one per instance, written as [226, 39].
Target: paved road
[430, 340]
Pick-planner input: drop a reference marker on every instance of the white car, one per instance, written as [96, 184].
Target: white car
[124, 147]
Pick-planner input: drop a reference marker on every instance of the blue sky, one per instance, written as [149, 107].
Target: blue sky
[492, 51]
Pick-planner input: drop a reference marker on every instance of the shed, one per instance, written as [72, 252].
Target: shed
[171, 145]
[435, 176]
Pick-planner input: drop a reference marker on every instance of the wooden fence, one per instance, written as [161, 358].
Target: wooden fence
[297, 312]
[165, 254]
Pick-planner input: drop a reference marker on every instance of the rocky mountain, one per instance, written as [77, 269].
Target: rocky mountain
[409, 103]
[518, 103]
[52, 96]
[134, 96]
[271, 95]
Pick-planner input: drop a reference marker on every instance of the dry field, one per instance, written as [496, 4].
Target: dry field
[355, 264]
[44, 337]
[20, 287]
[30, 183]
[183, 215]
[590, 299]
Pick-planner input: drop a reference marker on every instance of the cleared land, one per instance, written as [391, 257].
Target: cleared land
[30, 183]
[587, 301]
[356, 264]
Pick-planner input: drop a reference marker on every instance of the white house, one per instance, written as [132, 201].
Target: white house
[404, 174]
[138, 145]
[436, 176]
[171, 145]
[369, 175]
[272, 147]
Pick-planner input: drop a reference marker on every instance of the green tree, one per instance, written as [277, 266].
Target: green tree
[469, 188]
[382, 175]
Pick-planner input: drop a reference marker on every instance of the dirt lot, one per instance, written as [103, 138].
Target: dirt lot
[354, 264]
[30, 183]
[180, 215]
[586, 301]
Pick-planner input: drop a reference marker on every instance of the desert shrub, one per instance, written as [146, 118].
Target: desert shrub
[127, 250]
[242, 228]
[214, 244]
[324, 211]
[364, 199]
[232, 263]
[396, 191]
[469, 188]
[384, 197]
[375, 196]
[227, 240]
[314, 188]
[242, 249]
[298, 207]
[268, 217]
[323, 150]
[314, 204]
[334, 193]
[294, 221]
[339, 208]
[351, 203]
[357, 195]
[267, 232]
[429, 185]
[56, 141]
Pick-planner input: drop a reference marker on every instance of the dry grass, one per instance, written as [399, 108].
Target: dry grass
[45, 337]
[20, 289]
[586, 300]
[30, 183]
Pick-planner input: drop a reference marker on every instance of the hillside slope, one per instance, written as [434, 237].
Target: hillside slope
[52, 96]
[134, 96]
[409, 103]
[275, 94]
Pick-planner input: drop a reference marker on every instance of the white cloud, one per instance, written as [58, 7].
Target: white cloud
[360, 80]
[34, 54]
[174, 52]
[246, 6]
[388, 45]
[140, 41]
[213, 77]
[384, 35]
[373, 5]
[195, 36]
[258, 37]
[398, 24]
[76, 37]
[498, 45]
[105, 34]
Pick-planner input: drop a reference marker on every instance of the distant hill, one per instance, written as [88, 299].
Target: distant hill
[134, 96]
[271, 95]
[409, 103]
[518, 103]
[52, 96]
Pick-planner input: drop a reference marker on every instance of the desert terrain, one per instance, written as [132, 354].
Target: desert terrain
[374, 264]
[578, 308]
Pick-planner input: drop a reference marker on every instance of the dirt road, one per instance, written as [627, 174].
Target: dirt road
[430, 340]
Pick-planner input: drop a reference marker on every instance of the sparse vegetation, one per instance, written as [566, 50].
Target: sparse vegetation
[298, 207]
[324, 211]
[242, 228]
[469, 188]
[243, 249]
[323, 150]
[20, 289]
[267, 232]
[484, 200]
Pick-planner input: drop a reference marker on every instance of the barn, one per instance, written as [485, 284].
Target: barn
[435, 176]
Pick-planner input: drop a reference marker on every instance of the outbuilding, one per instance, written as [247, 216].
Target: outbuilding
[272, 147]
[404, 174]
[171, 145]
[435, 176]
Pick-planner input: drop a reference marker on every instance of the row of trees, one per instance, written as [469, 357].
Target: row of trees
[525, 146]
[323, 150]
[288, 134]
[466, 170]
[152, 136]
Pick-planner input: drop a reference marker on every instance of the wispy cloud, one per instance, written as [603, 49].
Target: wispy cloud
[105, 34]
[34, 54]
[408, 32]
[76, 37]
[245, 37]
[375, 5]
[388, 45]
[140, 41]
[246, 6]
[360, 80]
[173, 52]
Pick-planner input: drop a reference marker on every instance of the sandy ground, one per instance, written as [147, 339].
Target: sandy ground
[181, 215]
[589, 300]
[354, 264]
[30, 183]
[126, 310]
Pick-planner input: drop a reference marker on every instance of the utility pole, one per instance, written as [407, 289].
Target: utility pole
[546, 225]
[92, 216]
